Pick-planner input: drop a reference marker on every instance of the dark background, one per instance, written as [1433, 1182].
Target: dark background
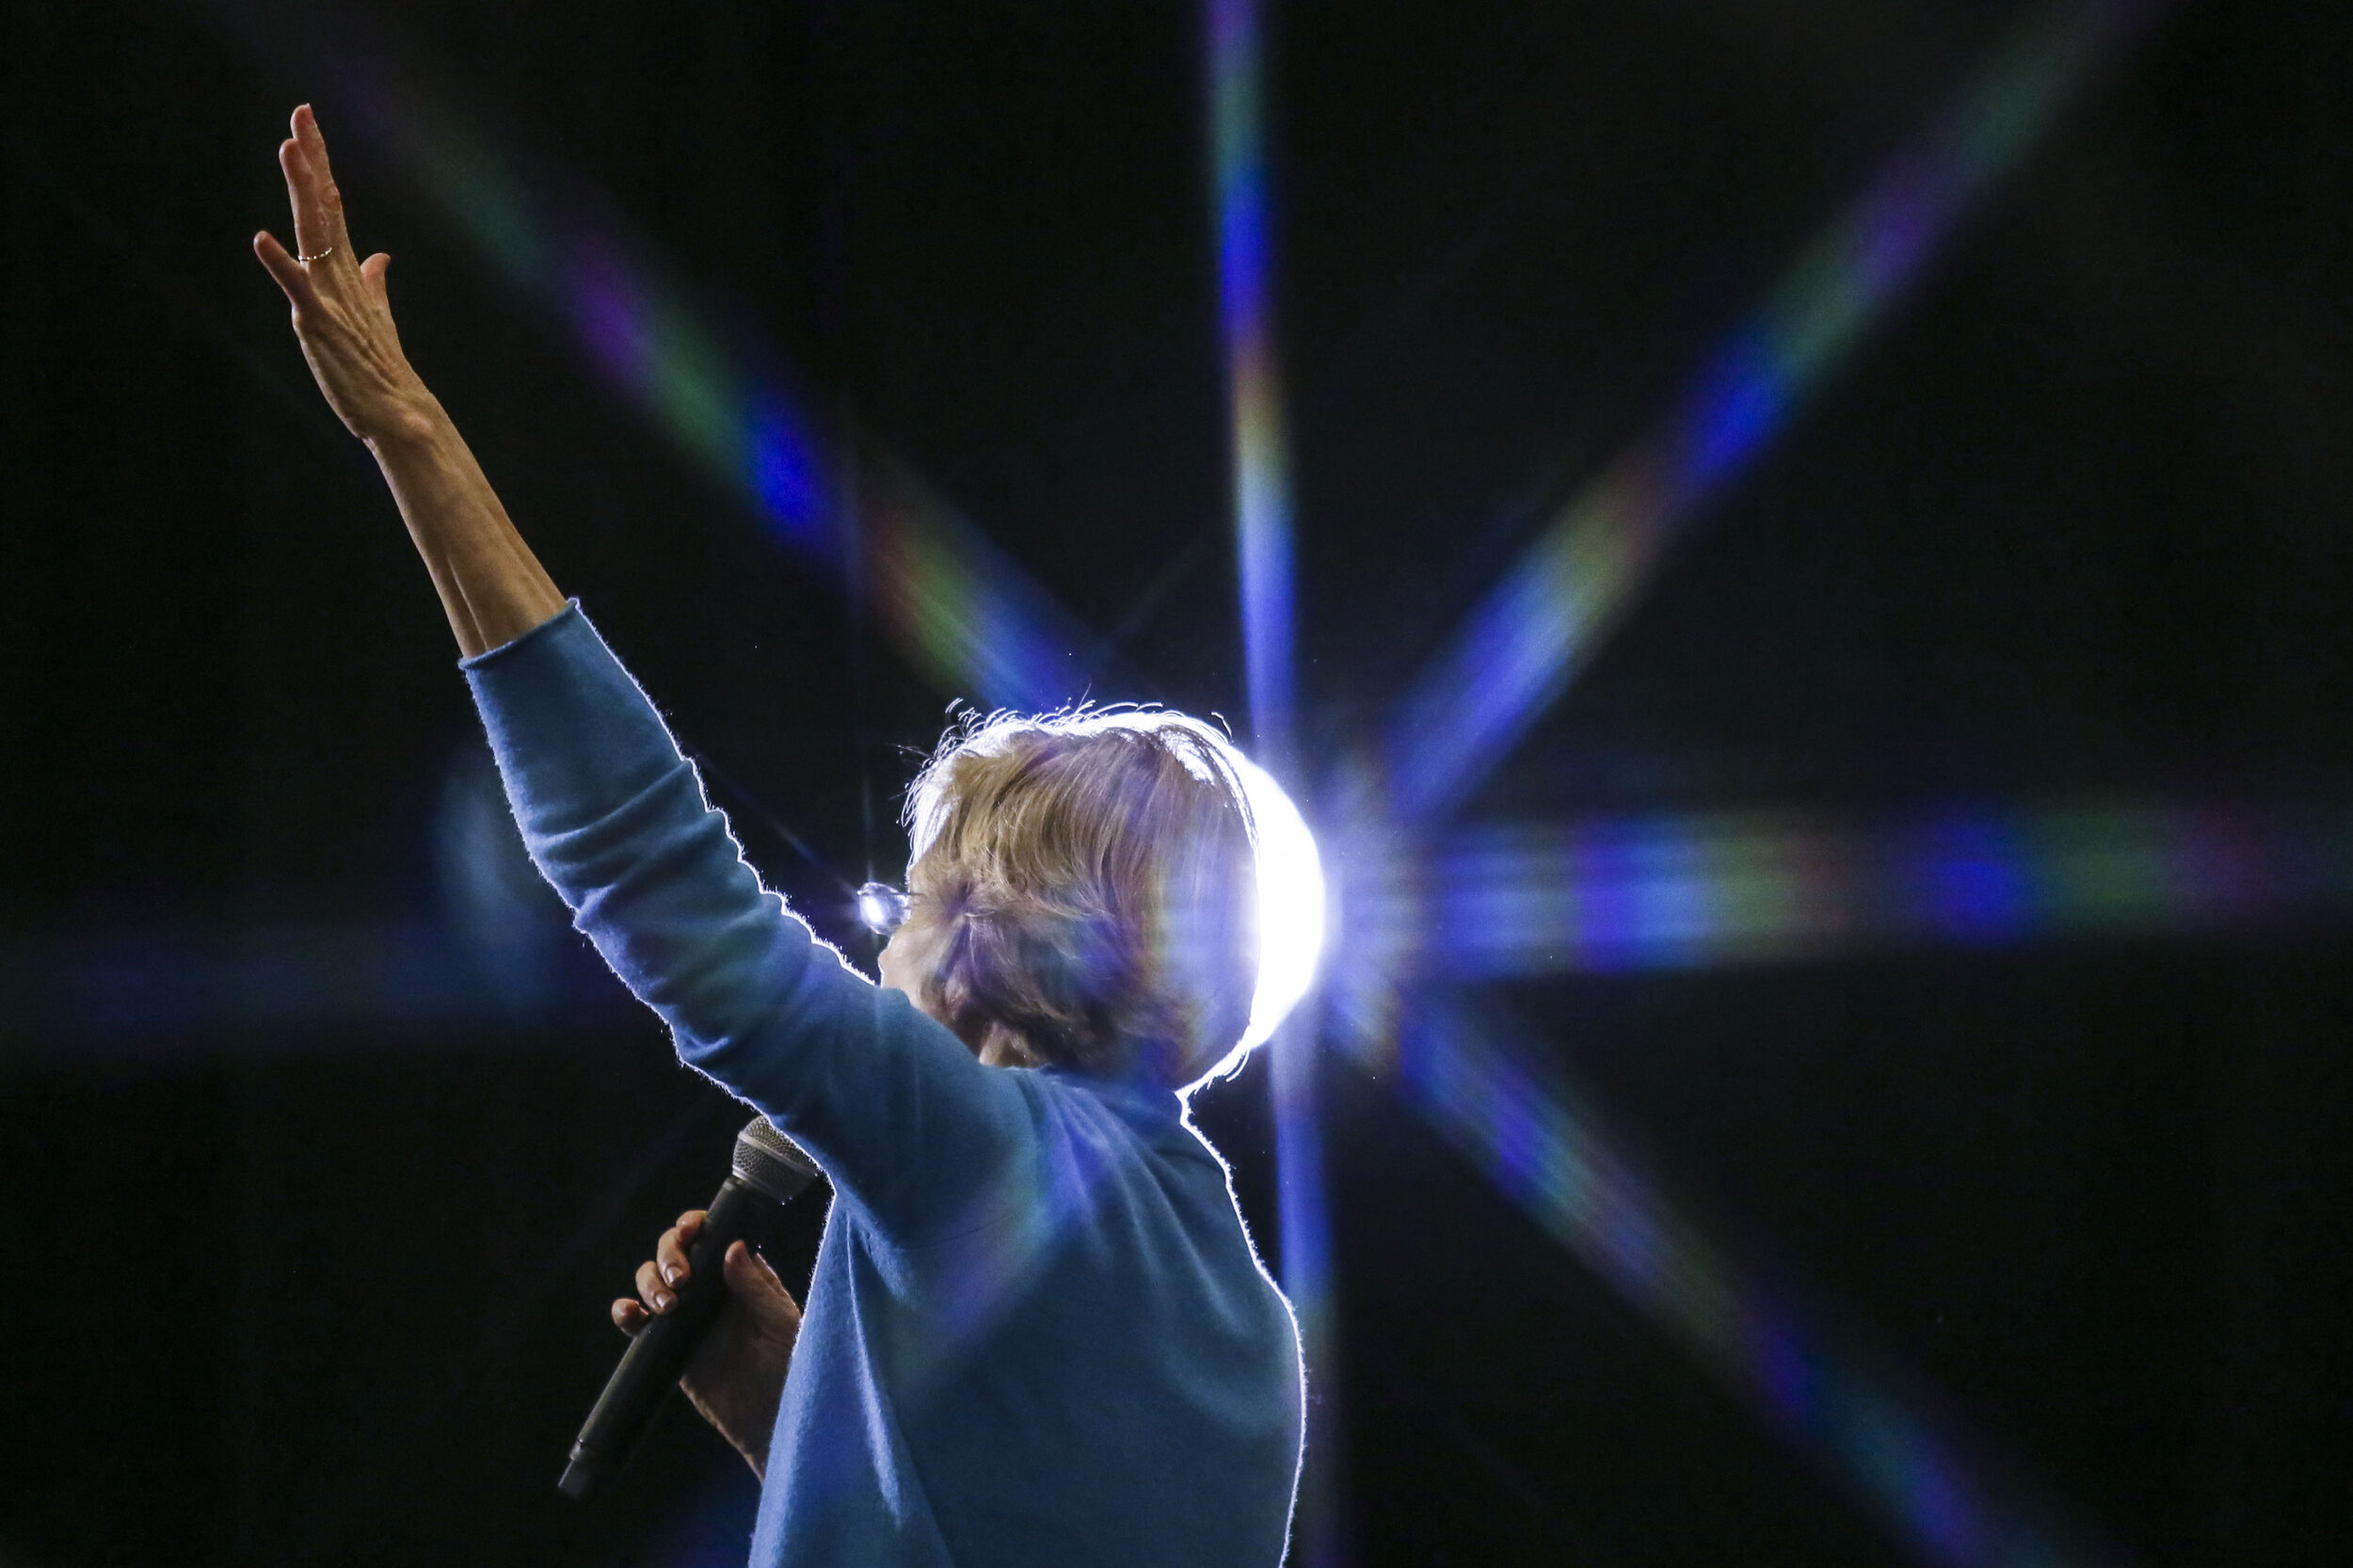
[315, 1177]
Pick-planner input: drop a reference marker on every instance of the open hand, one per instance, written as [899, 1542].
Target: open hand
[340, 312]
[736, 1378]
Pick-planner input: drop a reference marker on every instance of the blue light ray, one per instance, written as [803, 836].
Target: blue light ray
[961, 611]
[155, 994]
[1701, 889]
[1525, 642]
[1551, 1155]
[1236, 70]
[1262, 525]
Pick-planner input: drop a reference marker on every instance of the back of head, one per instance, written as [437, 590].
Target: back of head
[1095, 875]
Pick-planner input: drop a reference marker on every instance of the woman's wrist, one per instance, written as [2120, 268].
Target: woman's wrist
[411, 422]
[490, 584]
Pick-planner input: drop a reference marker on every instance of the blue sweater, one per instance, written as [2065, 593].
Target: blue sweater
[1036, 1334]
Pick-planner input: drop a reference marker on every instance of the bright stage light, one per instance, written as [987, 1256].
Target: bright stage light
[1290, 904]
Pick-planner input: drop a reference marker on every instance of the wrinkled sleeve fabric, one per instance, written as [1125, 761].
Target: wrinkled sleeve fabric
[891, 1103]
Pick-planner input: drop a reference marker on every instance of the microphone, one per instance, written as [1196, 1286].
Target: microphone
[769, 1172]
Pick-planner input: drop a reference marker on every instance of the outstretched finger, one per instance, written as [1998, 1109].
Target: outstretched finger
[313, 147]
[311, 226]
[289, 272]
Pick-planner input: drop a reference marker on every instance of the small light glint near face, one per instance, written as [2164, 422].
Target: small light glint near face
[1290, 903]
[882, 908]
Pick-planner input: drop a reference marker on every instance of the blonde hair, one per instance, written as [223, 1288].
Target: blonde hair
[1096, 873]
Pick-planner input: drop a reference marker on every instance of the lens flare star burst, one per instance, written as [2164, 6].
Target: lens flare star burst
[1525, 642]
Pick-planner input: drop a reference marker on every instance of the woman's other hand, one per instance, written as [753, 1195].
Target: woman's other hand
[340, 312]
[736, 1377]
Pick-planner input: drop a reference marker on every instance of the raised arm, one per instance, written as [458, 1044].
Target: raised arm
[885, 1098]
[492, 587]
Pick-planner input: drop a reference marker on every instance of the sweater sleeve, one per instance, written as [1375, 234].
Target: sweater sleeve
[891, 1103]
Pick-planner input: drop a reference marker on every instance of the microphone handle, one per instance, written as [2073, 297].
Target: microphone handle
[651, 1365]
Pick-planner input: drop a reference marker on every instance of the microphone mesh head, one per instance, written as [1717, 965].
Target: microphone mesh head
[767, 1160]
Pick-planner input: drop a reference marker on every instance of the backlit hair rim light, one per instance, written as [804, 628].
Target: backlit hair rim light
[1292, 893]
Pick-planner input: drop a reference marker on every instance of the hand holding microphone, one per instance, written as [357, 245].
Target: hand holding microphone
[735, 1378]
[712, 1316]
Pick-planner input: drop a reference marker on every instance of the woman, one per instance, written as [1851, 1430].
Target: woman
[1037, 1331]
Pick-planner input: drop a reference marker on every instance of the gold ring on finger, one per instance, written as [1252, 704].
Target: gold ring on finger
[306, 261]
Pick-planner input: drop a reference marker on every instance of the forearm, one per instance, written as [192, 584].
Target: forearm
[492, 587]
